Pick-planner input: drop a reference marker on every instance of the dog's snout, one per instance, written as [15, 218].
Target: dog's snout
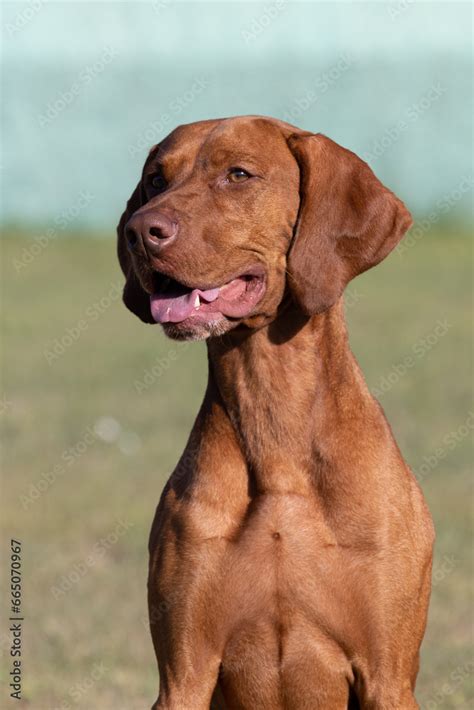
[150, 231]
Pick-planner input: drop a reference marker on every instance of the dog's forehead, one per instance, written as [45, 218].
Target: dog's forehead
[221, 140]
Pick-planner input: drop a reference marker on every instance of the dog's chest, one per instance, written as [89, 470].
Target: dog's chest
[288, 558]
[283, 561]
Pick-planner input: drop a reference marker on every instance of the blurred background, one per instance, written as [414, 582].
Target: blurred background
[96, 407]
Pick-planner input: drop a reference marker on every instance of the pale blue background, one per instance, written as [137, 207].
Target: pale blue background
[392, 53]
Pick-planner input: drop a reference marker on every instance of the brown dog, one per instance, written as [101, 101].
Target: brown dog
[290, 556]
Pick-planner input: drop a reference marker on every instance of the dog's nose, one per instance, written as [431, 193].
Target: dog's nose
[151, 230]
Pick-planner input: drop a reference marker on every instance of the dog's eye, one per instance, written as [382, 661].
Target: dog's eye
[237, 175]
[158, 183]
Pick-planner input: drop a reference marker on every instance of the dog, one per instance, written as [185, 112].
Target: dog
[291, 551]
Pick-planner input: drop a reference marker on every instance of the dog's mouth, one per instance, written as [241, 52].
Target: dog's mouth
[174, 302]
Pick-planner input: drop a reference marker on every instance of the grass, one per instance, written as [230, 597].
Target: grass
[101, 405]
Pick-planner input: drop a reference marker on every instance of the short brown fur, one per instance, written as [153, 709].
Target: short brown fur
[290, 555]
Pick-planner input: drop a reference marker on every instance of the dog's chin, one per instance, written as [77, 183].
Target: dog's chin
[191, 329]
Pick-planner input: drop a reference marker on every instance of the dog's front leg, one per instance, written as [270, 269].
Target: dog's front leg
[187, 648]
[186, 628]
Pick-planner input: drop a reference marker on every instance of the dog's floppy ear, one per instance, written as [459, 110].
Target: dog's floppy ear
[347, 222]
[134, 297]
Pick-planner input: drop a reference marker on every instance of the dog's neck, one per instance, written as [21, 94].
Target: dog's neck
[290, 390]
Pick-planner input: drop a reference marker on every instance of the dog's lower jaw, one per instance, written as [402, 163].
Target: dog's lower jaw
[197, 331]
[189, 331]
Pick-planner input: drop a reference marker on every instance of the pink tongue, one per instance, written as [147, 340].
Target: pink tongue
[173, 308]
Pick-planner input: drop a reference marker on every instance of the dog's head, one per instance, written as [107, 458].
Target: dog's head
[233, 216]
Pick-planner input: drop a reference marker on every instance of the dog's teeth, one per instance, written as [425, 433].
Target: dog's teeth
[197, 302]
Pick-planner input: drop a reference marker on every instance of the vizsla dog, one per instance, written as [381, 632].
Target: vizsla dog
[290, 556]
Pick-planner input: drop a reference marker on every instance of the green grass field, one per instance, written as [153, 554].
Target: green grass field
[96, 408]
